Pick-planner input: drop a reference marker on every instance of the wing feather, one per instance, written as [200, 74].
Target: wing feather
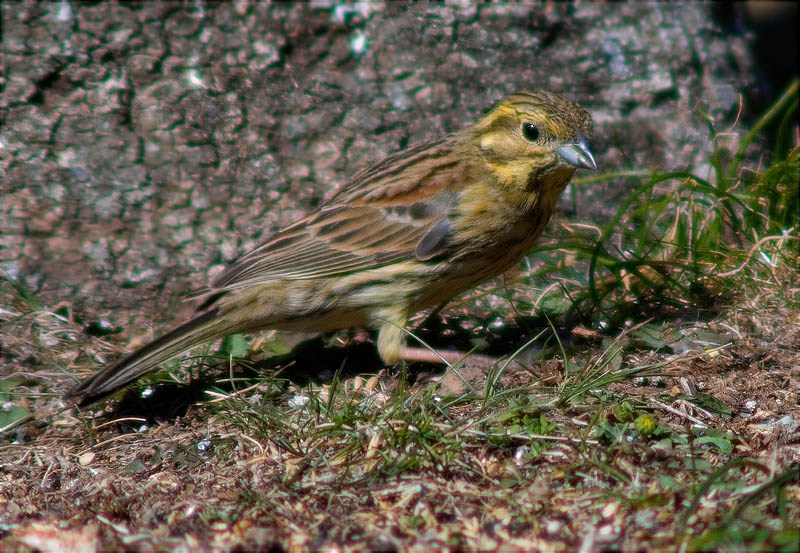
[377, 219]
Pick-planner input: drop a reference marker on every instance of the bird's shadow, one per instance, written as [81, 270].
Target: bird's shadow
[311, 361]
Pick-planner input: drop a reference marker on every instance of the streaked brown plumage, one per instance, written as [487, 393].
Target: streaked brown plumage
[408, 233]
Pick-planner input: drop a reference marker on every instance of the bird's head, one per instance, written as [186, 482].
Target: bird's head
[528, 135]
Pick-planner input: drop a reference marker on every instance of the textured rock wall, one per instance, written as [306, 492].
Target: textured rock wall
[143, 144]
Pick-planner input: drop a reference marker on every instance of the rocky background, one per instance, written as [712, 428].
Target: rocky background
[146, 145]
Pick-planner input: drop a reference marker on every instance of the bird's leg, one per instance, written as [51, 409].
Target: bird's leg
[447, 357]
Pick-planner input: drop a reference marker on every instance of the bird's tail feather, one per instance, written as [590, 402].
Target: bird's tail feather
[203, 328]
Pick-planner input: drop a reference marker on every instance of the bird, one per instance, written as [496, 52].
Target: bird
[405, 234]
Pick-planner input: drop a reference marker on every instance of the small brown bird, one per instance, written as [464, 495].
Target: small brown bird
[410, 232]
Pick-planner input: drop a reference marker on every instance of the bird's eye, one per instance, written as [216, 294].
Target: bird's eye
[530, 131]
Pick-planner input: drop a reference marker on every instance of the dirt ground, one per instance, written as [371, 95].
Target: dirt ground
[232, 476]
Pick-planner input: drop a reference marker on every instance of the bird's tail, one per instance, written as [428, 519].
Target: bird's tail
[203, 328]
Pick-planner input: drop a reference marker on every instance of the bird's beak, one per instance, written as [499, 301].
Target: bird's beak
[578, 154]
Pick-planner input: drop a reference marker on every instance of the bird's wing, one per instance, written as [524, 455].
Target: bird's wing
[396, 210]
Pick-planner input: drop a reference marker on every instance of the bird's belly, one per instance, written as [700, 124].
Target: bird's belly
[364, 298]
[480, 265]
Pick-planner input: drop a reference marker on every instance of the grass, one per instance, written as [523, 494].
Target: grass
[620, 420]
